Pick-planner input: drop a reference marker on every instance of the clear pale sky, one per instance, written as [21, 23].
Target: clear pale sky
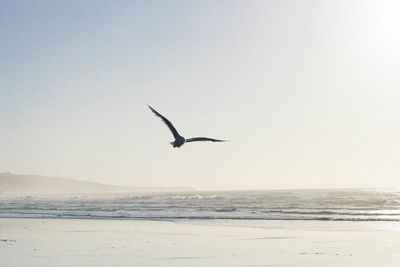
[307, 92]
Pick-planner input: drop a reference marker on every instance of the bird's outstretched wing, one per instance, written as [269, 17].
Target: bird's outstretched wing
[194, 139]
[167, 122]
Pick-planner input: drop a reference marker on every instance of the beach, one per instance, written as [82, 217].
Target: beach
[95, 242]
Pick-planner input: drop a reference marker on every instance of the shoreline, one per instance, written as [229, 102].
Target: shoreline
[197, 220]
[94, 242]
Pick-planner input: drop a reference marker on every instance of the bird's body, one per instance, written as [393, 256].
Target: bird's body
[180, 140]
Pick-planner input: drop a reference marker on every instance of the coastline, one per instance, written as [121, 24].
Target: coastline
[73, 242]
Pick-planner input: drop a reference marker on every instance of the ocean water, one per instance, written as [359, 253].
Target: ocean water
[339, 205]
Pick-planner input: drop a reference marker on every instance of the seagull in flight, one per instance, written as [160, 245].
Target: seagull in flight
[180, 140]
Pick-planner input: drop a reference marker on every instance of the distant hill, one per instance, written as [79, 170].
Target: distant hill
[14, 183]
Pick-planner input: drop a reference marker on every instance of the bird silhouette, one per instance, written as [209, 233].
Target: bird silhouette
[180, 140]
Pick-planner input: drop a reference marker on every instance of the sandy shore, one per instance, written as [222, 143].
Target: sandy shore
[38, 242]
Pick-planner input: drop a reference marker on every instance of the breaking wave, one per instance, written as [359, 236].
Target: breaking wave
[332, 205]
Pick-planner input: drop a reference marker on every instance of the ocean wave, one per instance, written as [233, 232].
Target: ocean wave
[170, 218]
[322, 205]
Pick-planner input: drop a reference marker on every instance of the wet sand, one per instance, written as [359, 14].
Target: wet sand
[53, 242]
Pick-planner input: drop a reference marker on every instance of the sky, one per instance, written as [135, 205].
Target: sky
[306, 92]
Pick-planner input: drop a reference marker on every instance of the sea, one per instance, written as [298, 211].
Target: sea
[321, 205]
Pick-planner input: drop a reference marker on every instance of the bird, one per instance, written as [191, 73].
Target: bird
[180, 140]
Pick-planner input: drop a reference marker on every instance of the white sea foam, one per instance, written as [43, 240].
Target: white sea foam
[345, 205]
